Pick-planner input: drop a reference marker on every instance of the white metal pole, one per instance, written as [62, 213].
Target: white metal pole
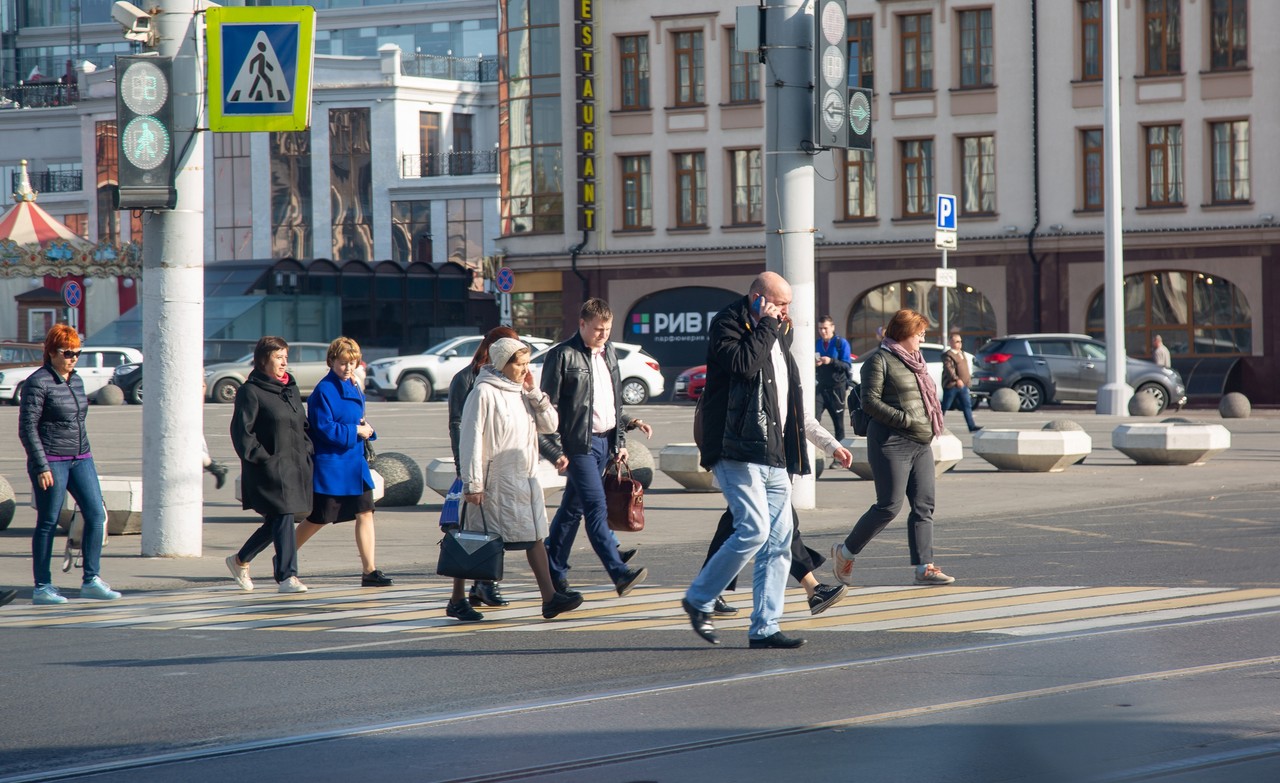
[942, 338]
[1113, 396]
[788, 172]
[173, 315]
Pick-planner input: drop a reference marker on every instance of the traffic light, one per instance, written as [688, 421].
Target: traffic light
[859, 119]
[144, 133]
[831, 74]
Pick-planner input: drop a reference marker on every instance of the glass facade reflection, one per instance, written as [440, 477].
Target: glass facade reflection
[530, 153]
[351, 184]
[1195, 313]
[968, 311]
[411, 231]
[291, 234]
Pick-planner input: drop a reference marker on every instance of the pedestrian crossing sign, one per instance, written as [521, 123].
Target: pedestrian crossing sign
[260, 65]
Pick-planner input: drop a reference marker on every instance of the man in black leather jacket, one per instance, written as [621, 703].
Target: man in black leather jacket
[752, 438]
[581, 377]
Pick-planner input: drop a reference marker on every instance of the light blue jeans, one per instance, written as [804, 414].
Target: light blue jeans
[760, 499]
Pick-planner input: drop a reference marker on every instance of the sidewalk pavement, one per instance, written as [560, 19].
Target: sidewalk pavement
[406, 537]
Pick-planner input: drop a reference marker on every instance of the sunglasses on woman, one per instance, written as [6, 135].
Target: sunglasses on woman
[71, 354]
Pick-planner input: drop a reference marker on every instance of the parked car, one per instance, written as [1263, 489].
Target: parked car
[307, 366]
[690, 383]
[1064, 368]
[129, 376]
[435, 366]
[641, 373]
[932, 358]
[21, 354]
[96, 365]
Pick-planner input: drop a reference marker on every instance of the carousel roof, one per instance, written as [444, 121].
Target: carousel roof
[27, 224]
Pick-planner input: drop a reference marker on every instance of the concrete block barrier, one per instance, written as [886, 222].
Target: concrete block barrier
[1032, 451]
[681, 461]
[1170, 444]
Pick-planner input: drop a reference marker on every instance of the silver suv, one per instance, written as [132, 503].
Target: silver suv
[1064, 368]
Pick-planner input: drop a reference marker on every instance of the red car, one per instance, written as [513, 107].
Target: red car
[689, 384]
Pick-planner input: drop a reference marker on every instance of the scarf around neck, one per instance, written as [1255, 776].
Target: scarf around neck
[915, 363]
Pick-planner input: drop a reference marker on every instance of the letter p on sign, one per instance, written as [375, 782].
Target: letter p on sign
[946, 212]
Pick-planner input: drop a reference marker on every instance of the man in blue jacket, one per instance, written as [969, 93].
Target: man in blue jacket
[833, 362]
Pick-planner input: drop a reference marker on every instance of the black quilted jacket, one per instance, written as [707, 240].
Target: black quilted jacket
[51, 422]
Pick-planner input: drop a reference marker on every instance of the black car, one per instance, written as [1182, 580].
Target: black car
[1063, 368]
[129, 378]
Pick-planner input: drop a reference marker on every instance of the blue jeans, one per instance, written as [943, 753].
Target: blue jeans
[966, 403]
[584, 499]
[760, 498]
[80, 478]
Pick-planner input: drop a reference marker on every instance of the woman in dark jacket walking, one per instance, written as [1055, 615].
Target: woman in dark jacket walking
[51, 428]
[269, 433]
[902, 400]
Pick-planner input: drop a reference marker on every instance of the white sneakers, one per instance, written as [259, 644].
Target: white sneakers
[292, 585]
[841, 564]
[240, 573]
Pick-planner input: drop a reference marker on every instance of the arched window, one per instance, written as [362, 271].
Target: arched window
[1196, 314]
[968, 312]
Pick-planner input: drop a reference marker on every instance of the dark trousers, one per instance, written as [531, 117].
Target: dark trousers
[961, 393]
[803, 559]
[832, 401]
[902, 468]
[275, 529]
[78, 477]
[583, 499]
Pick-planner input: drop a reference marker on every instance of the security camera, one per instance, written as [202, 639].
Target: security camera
[135, 21]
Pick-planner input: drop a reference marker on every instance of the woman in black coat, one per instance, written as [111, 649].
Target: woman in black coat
[269, 433]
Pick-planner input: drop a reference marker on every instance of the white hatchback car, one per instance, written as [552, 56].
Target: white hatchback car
[435, 366]
[641, 373]
[96, 365]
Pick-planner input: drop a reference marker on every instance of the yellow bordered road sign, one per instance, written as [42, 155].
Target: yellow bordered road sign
[260, 67]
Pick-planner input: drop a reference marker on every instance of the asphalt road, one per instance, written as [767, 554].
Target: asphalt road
[1148, 648]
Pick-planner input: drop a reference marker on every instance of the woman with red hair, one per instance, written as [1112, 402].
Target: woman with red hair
[51, 426]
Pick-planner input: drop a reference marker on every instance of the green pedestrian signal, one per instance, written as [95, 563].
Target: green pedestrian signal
[144, 133]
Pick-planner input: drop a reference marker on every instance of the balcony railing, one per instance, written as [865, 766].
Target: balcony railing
[463, 69]
[39, 95]
[449, 164]
[53, 181]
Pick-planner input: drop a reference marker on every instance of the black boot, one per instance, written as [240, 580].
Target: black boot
[486, 594]
[219, 472]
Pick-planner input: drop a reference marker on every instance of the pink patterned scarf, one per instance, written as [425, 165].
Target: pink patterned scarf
[916, 364]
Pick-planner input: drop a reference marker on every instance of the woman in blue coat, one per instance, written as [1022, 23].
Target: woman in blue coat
[341, 478]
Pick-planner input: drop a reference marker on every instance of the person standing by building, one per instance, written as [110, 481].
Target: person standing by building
[342, 483]
[581, 377]
[269, 433]
[51, 426]
[833, 361]
[899, 396]
[956, 374]
[752, 414]
[1160, 354]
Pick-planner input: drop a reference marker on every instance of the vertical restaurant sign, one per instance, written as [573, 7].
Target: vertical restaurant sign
[584, 67]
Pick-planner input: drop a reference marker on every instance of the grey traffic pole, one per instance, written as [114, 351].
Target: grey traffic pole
[1113, 396]
[788, 174]
[173, 314]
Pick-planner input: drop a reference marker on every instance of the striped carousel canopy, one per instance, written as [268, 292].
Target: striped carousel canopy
[27, 224]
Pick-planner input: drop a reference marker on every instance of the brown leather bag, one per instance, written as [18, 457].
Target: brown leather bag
[624, 498]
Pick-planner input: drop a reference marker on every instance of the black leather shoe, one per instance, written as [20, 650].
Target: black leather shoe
[825, 596]
[723, 608]
[701, 622]
[219, 472]
[461, 610]
[627, 554]
[486, 593]
[777, 641]
[561, 603]
[561, 584]
[630, 580]
[375, 578]
[7, 595]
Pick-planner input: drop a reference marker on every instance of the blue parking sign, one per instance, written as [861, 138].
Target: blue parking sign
[946, 212]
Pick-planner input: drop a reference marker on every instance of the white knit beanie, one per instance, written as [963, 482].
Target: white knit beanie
[502, 350]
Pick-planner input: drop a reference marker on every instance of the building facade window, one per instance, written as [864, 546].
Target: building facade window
[232, 196]
[977, 52]
[747, 171]
[291, 228]
[107, 166]
[915, 42]
[691, 189]
[464, 229]
[978, 175]
[690, 70]
[1230, 161]
[862, 71]
[1163, 25]
[351, 184]
[968, 311]
[1090, 40]
[637, 193]
[1091, 184]
[744, 75]
[530, 135]
[859, 184]
[917, 178]
[1195, 314]
[633, 69]
[411, 232]
[429, 123]
[539, 313]
[1228, 35]
[1164, 165]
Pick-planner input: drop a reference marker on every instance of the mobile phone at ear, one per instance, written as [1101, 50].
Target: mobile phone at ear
[757, 304]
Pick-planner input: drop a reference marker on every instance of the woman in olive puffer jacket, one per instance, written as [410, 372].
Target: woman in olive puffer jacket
[902, 400]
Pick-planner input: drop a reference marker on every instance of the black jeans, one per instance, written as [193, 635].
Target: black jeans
[901, 468]
[803, 559]
[832, 401]
[277, 529]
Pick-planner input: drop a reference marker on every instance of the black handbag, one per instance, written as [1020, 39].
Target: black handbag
[466, 554]
[857, 416]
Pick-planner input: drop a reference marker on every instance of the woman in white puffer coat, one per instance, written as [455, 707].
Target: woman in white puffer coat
[498, 449]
